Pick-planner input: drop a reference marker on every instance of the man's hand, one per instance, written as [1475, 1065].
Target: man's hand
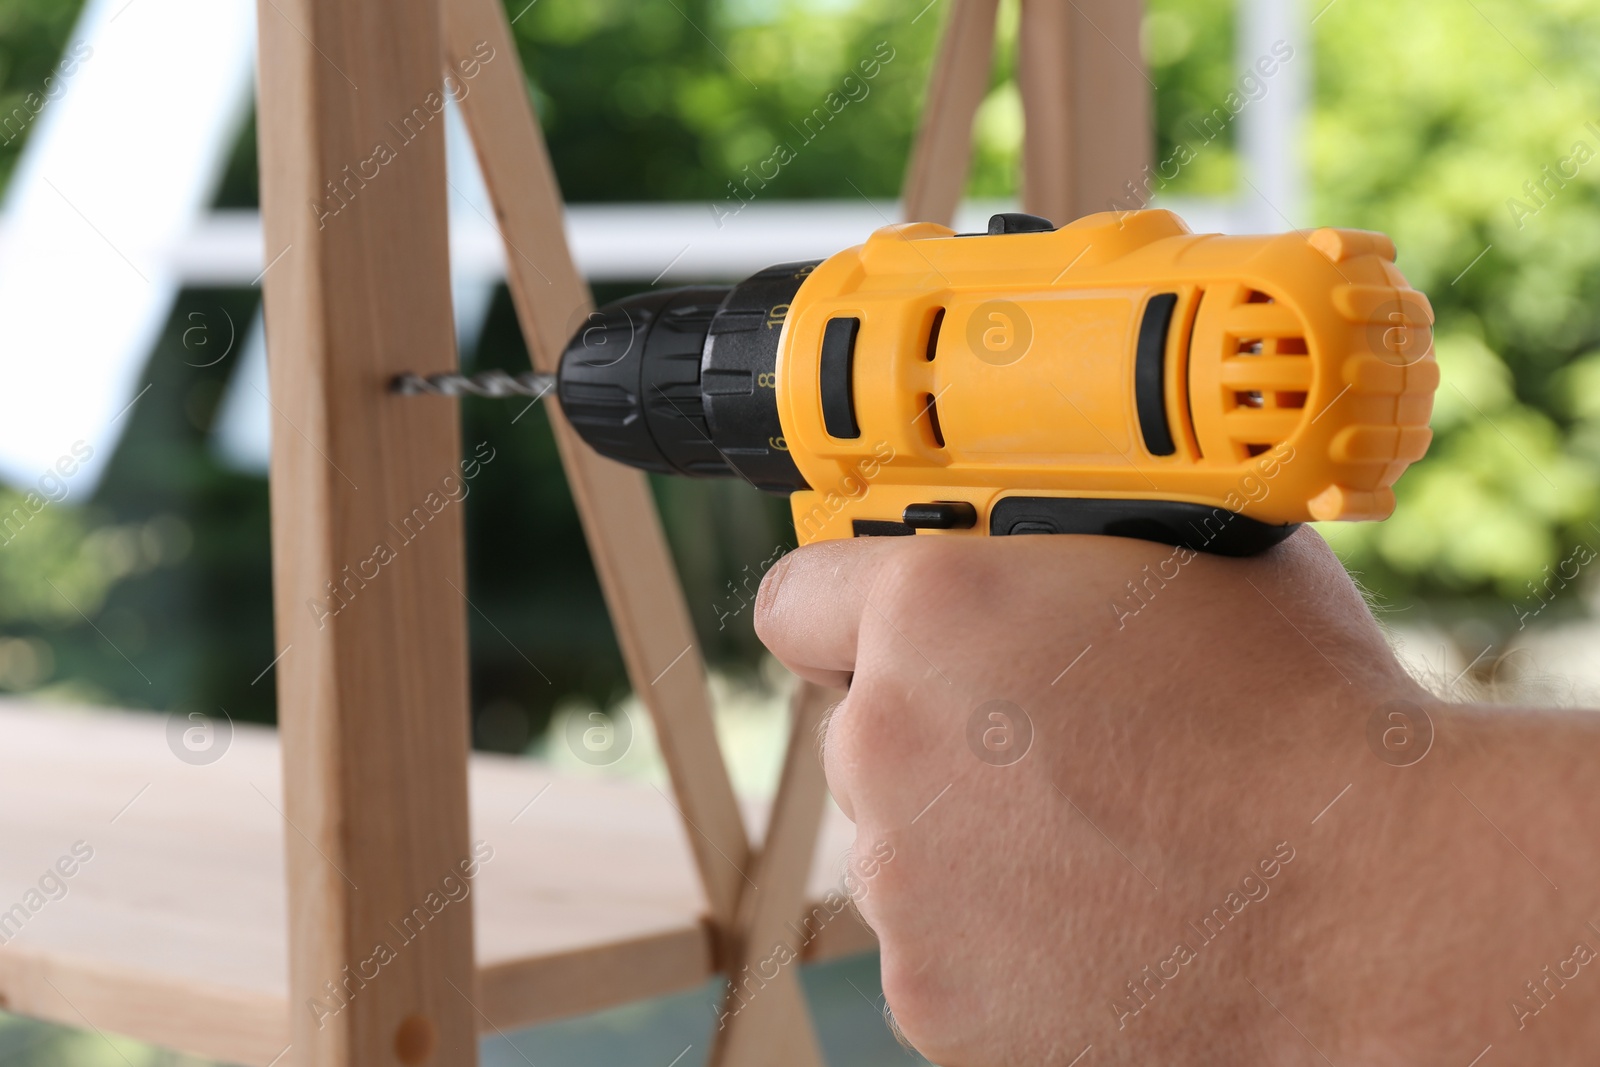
[1188, 810]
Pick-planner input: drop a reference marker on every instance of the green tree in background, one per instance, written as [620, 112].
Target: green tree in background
[1431, 120]
[33, 36]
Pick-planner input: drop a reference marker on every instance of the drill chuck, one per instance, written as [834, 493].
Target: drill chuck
[680, 381]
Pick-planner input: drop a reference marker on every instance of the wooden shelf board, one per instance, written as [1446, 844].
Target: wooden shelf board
[174, 932]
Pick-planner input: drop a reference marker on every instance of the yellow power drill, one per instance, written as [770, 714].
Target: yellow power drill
[1119, 375]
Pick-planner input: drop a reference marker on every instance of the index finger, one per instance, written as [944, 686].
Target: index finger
[808, 610]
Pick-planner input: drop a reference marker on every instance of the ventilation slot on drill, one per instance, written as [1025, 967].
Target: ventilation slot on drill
[1266, 377]
[933, 334]
[930, 408]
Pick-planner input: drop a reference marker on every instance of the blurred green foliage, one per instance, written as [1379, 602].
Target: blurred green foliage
[33, 36]
[25, 1043]
[708, 89]
[1431, 119]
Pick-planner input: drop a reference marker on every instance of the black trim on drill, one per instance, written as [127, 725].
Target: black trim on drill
[630, 384]
[1194, 526]
[738, 376]
[684, 381]
[1014, 222]
[879, 528]
[837, 378]
[1150, 372]
[1018, 222]
[940, 515]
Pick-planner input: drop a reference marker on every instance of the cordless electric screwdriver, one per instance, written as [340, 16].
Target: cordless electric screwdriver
[1118, 375]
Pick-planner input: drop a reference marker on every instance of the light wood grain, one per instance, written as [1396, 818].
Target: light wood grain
[764, 1021]
[624, 531]
[1086, 107]
[1113, 101]
[374, 698]
[942, 155]
[1046, 82]
[175, 932]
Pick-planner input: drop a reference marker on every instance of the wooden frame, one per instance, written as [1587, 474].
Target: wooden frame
[373, 812]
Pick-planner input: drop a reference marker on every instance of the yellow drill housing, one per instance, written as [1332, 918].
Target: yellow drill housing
[1296, 372]
[1117, 375]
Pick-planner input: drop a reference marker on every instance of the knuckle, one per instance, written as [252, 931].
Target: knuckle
[846, 745]
[837, 759]
[924, 570]
[863, 752]
[886, 876]
[920, 1004]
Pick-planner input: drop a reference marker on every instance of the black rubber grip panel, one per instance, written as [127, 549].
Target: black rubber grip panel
[1195, 526]
[838, 378]
[1150, 374]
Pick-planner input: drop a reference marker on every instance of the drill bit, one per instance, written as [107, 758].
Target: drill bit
[491, 383]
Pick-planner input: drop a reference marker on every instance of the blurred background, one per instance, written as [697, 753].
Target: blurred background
[1466, 129]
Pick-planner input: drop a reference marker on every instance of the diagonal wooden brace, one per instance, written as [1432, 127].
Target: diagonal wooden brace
[619, 516]
[764, 1021]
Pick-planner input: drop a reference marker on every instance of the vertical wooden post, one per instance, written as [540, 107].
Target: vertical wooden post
[1086, 106]
[372, 688]
[942, 156]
